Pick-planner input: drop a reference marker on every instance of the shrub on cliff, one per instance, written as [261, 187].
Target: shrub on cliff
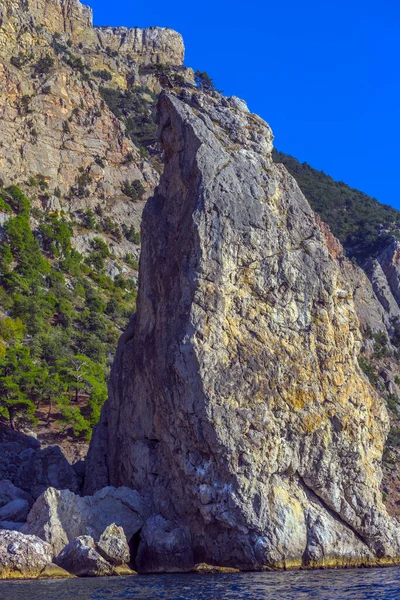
[44, 64]
[204, 81]
[103, 74]
[134, 190]
[135, 110]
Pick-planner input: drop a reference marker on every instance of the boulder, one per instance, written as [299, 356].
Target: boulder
[59, 517]
[9, 492]
[81, 558]
[164, 547]
[53, 571]
[15, 448]
[26, 471]
[47, 467]
[22, 556]
[113, 546]
[16, 510]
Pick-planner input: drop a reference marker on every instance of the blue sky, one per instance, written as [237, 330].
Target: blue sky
[324, 74]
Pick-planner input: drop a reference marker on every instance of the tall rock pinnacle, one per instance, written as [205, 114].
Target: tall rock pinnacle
[236, 399]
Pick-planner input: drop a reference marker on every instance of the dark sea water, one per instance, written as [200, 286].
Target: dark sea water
[354, 584]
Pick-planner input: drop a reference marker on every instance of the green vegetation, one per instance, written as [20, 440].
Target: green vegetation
[368, 369]
[76, 63]
[393, 438]
[60, 318]
[204, 81]
[21, 60]
[393, 403]
[131, 234]
[136, 108]
[43, 65]
[134, 190]
[103, 74]
[360, 222]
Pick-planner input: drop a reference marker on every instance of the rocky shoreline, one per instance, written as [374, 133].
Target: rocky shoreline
[48, 532]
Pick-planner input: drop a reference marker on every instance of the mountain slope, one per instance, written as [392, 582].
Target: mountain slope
[361, 223]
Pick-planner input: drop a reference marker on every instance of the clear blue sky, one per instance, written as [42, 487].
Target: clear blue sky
[324, 74]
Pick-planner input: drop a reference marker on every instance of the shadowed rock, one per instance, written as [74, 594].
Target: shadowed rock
[81, 558]
[164, 547]
[46, 468]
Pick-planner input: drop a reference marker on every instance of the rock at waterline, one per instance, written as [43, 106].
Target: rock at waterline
[23, 556]
[81, 558]
[113, 545]
[164, 547]
[58, 517]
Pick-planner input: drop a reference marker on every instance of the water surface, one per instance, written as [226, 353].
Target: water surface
[354, 584]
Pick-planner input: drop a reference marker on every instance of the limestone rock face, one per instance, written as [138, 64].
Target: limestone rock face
[236, 400]
[81, 558]
[113, 545]
[158, 45]
[54, 122]
[164, 547]
[70, 17]
[22, 556]
[58, 517]
[384, 274]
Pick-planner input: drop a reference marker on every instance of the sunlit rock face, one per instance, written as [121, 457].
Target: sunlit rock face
[54, 122]
[236, 399]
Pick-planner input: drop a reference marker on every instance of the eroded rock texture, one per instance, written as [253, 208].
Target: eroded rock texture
[54, 123]
[236, 399]
[22, 556]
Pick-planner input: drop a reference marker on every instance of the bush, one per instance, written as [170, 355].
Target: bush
[88, 219]
[75, 62]
[24, 106]
[82, 182]
[393, 438]
[44, 65]
[136, 112]
[368, 369]
[17, 200]
[104, 75]
[134, 190]
[132, 262]
[100, 247]
[204, 81]
[131, 234]
[20, 60]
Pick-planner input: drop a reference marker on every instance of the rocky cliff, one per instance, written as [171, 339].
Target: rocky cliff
[237, 406]
[236, 399]
[76, 135]
[54, 123]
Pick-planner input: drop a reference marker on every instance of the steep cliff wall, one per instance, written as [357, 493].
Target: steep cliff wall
[236, 399]
[54, 122]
